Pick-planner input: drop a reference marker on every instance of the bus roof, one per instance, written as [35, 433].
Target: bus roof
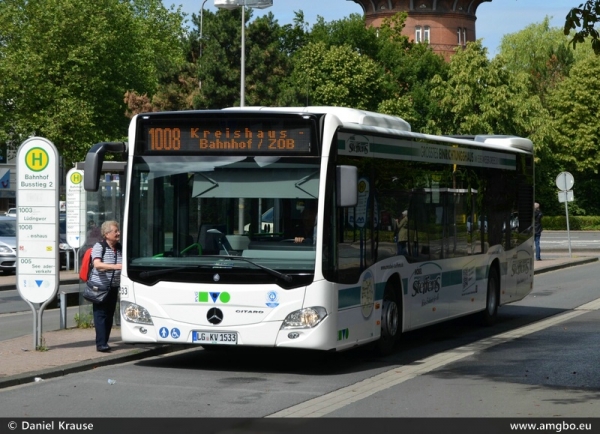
[345, 115]
[350, 116]
[503, 141]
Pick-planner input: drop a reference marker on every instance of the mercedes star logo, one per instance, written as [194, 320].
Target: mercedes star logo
[214, 316]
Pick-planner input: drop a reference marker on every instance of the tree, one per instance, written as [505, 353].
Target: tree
[585, 17]
[539, 51]
[267, 64]
[541, 55]
[350, 31]
[67, 64]
[405, 67]
[575, 105]
[410, 69]
[481, 96]
[337, 76]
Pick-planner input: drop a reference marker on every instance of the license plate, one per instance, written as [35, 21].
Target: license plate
[217, 338]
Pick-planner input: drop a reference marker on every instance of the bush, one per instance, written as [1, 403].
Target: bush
[576, 223]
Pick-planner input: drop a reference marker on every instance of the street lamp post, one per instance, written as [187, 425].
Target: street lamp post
[232, 4]
[201, 24]
[200, 42]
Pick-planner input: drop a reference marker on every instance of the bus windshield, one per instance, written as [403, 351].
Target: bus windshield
[190, 213]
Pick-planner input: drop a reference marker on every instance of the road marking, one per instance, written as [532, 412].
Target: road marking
[333, 401]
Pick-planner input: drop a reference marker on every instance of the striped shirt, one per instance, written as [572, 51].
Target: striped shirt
[109, 277]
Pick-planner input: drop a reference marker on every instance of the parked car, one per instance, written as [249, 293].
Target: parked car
[8, 259]
[8, 244]
[65, 250]
[12, 212]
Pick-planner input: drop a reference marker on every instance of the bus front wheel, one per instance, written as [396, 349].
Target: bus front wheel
[390, 323]
[493, 298]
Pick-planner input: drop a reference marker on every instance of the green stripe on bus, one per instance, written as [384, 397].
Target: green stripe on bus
[380, 148]
[451, 278]
[350, 297]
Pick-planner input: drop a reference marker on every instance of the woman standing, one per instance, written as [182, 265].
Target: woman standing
[402, 234]
[107, 259]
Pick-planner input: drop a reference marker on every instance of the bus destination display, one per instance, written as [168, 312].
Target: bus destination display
[240, 137]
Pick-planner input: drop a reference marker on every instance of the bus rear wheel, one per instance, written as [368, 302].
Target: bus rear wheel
[490, 313]
[391, 321]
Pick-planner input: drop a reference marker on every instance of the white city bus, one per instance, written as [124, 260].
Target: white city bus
[203, 265]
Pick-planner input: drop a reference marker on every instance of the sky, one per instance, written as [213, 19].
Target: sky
[495, 18]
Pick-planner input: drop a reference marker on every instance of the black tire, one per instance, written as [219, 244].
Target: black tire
[490, 314]
[391, 322]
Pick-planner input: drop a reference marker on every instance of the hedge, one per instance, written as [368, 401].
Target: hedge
[576, 223]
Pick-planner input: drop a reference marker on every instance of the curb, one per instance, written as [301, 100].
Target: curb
[86, 365]
[566, 265]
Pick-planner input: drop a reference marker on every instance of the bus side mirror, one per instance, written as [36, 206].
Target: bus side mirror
[347, 186]
[93, 162]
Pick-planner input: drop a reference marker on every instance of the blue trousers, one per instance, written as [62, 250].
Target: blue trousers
[103, 316]
[536, 238]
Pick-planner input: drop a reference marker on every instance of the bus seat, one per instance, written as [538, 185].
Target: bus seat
[210, 242]
[238, 242]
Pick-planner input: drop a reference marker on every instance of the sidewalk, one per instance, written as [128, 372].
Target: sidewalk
[73, 350]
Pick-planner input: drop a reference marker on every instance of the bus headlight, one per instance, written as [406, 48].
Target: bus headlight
[305, 318]
[132, 312]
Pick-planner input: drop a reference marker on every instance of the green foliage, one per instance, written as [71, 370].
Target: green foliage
[576, 103]
[66, 65]
[585, 17]
[336, 76]
[539, 51]
[349, 31]
[481, 96]
[294, 36]
[42, 347]
[85, 320]
[266, 64]
[541, 54]
[576, 223]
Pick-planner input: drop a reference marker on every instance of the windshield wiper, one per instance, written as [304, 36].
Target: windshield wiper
[275, 273]
[152, 273]
[159, 272]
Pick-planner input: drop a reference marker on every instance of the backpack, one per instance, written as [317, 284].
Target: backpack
[86, 263]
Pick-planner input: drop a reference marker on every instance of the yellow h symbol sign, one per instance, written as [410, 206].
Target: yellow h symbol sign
[37, 159]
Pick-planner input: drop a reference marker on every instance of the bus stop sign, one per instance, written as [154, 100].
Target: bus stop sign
[37, 220]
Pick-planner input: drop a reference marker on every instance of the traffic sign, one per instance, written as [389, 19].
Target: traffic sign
[565, 181]
[566, 196]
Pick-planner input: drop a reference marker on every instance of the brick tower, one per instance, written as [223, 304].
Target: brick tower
[445, 24]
